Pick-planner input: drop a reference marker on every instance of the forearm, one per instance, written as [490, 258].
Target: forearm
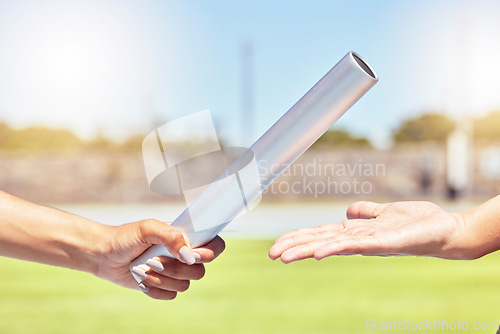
[37, 233]
[482, 228]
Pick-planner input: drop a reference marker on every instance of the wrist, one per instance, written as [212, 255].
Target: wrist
[484, 222]
[480, 232]
[458, 244]
[93, 246]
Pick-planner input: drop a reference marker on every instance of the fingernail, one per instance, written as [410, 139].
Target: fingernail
[155, 265]
[197, 256]
[187, 255]
[139, 272]
[144, 288]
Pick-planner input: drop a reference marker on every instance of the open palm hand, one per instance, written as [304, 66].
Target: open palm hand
[400, 228]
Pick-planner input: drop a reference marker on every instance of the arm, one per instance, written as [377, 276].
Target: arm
[400, 228]
[37, 233]
[483, 227]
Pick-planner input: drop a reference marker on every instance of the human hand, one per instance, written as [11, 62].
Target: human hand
[164, 276]
[400, 228]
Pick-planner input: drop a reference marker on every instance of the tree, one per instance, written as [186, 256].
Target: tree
[340, 138]
[37, 139]
[431, 126]
[487, 127]
[5, 132]
[132, 143]
[100, 142]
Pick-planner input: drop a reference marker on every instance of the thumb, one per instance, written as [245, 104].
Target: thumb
[154, 232]
[365, 210]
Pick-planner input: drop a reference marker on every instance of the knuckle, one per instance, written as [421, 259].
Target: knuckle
[172, 270]
[149, 222]
[151, 280]
[175, 235]
[362, 206]
[146, 225]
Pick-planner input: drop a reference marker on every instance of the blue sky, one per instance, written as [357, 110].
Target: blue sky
[117, 66]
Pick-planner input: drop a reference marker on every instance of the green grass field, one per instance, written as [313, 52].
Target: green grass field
[245, 292]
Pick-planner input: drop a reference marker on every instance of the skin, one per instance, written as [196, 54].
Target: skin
[46, 235]
[397, 229]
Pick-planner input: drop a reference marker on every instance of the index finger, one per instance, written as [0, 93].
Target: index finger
[154, 232]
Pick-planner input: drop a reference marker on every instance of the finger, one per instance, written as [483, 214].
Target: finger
[172, 268]
[156, 293]
[210, 251]
[309, 230]
[359, 227]
[153, 279]
[284, 244]
[154, 232]
[365, 210]
[350, 246]
[301, 252]
[322, 232]
[305, 251]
